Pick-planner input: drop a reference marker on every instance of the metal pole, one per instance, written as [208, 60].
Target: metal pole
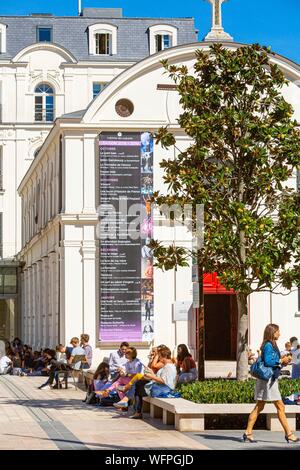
[79, 7]
[201, 326]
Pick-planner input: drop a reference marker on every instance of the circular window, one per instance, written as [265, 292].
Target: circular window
[124, 107]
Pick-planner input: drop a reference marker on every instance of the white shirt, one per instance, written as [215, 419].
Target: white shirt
[116, 361]
[168, 374]
[4, 363]
[295, 356]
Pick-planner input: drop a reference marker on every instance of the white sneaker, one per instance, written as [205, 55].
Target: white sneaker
[45, 387]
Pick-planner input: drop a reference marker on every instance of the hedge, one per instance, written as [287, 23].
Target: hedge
[230, 391]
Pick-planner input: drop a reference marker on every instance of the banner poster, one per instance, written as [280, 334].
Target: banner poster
[126, 228]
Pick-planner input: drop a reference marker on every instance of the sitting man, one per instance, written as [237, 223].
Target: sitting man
[6, 363]
[57, 362]
[117, 360]
[76, 351]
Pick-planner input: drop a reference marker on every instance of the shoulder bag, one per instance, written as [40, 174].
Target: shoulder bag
[260, 371]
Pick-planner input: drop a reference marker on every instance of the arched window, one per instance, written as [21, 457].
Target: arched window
[44, 103]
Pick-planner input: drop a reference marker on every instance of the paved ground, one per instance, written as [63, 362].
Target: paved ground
[57, 419]
[231, 440]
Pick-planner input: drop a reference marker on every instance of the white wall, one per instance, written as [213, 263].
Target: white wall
[76, 259]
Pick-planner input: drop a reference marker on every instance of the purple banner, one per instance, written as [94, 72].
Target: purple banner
[126, 263]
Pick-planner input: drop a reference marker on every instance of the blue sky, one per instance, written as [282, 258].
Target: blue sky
[272, 23]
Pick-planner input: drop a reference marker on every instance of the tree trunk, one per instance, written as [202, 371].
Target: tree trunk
[242, 337]
[201, 324]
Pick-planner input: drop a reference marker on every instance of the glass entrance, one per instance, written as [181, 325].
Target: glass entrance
[8, 316]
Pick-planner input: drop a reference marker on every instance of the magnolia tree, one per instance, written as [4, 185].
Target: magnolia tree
[244, 148]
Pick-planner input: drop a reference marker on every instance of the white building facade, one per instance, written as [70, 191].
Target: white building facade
[61, 254]
[50, 66]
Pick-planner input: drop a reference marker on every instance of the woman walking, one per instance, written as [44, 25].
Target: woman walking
[269, 390]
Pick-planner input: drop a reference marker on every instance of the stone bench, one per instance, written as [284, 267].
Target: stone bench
[189, 416]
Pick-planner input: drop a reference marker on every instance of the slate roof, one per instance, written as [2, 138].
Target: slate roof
[72, 34]
[75, 115]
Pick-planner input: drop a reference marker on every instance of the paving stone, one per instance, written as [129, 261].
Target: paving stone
[36, 419]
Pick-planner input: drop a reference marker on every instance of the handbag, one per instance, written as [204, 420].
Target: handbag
[260, 371]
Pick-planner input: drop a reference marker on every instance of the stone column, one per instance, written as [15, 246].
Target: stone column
[55, 298]
[89, 290]
[46, 336]
[51, 298]
[39, 312]
[20, 94]
[89, 173]
[33, 305]
[29, 305]
[22, 314]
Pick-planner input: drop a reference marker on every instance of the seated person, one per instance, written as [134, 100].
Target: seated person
[100, 381]
[6, 363]
[39, 363]
[130, 369]
[117, 360]
[161, 383]
[37, 360]
[76, 351]
[154, 359]
[84, 343]
[27, 360]
[154, 365]
[61, 354]
[186, 366]
[295, 352]
[54, 367]
[17, 363]
[287, 349]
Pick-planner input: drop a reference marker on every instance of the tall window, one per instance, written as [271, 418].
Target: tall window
[103, 43]
[163, 41]
[2, 38]
[44, 103]
[44, 34]
[97, 88]
[103, 39]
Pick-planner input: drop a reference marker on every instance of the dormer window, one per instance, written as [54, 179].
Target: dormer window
[44, 34]
[103, 39]
[162, 37]
[103, 43]
[163, 41]
[2, 38]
